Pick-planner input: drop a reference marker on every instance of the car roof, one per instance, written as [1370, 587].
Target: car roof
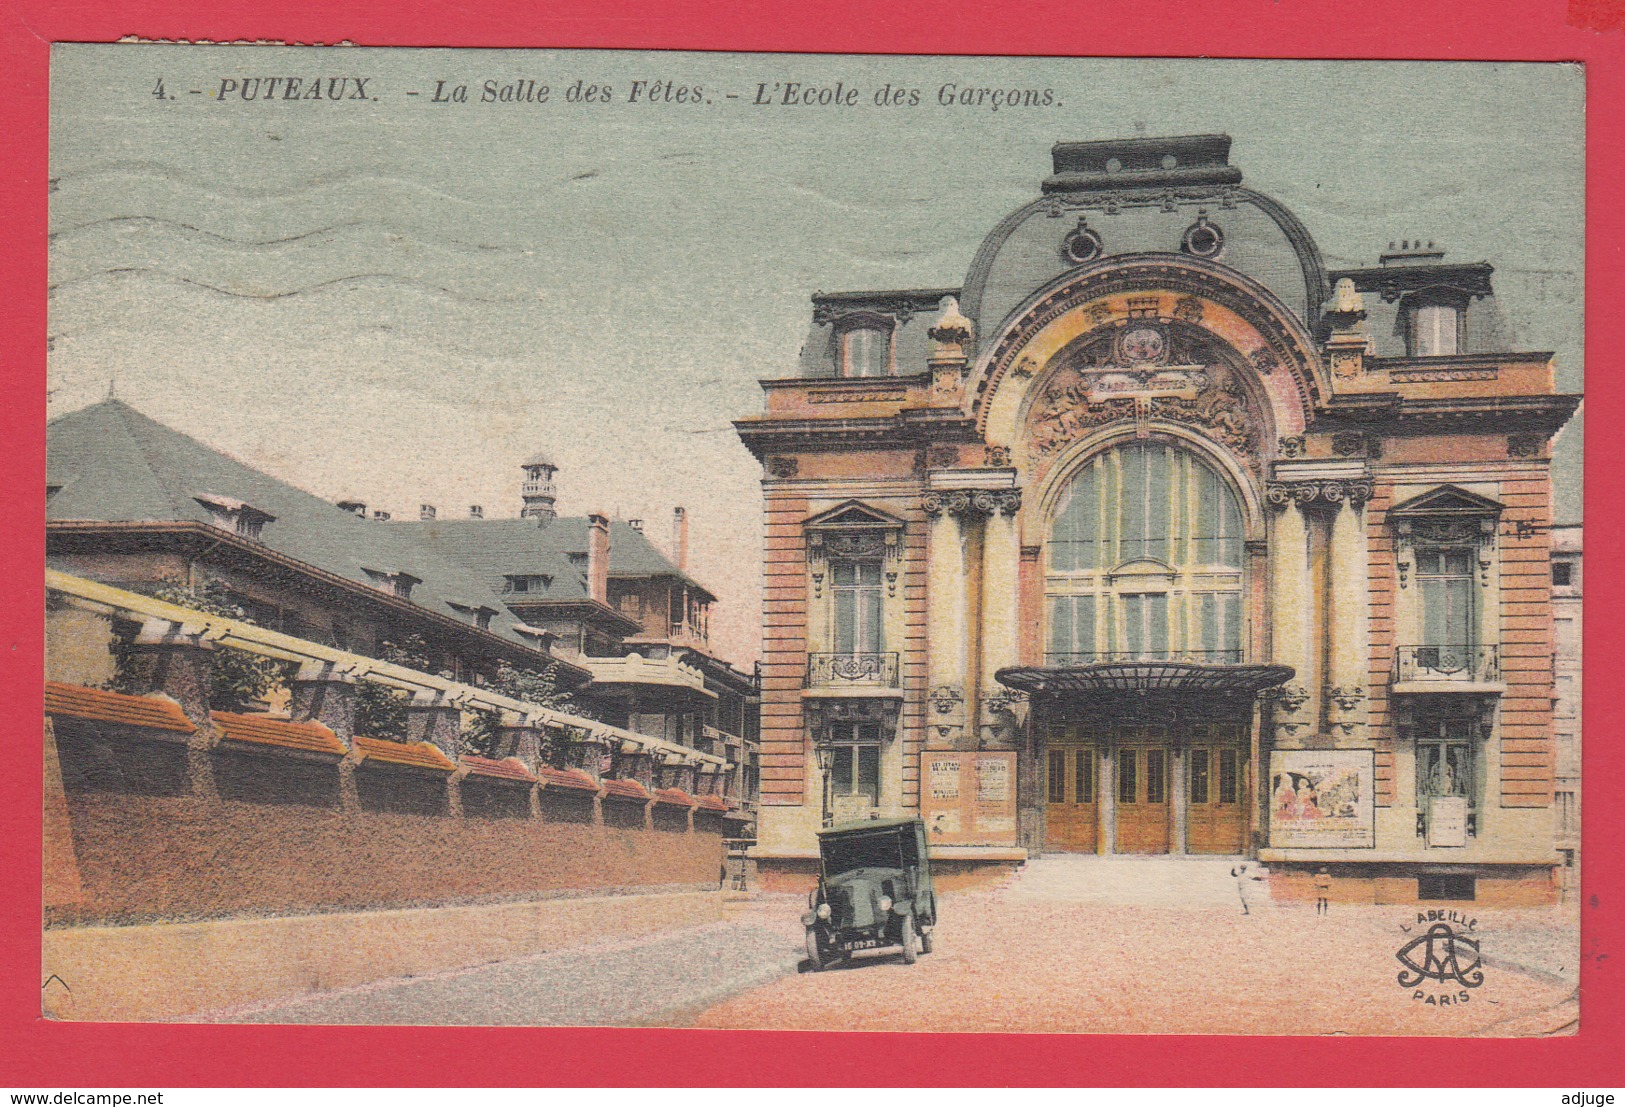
[859, 827]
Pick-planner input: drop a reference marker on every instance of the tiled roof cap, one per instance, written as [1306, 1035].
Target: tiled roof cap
[566, 778]
[267, 731]
[624, 789]
[675, 797]
[509, 768]
[422, 756]
[96, 705]
[711, 803]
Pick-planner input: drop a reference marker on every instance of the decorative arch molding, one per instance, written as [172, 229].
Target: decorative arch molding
[1079, 453]
[1162, 288]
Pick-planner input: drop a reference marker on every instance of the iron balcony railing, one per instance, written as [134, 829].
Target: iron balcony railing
[1101, 657]
[868, 670]
[1461, 664]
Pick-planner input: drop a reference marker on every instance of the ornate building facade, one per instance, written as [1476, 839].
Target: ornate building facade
[1158, 536]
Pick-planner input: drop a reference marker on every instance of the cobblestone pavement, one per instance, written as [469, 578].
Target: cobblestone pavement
[1161, 946]
[654, 980]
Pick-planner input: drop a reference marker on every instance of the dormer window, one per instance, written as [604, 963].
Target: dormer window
[1435, 330]
[866, 346]
[393, 581]
[478, 614]
[242, 519]
[527, 583]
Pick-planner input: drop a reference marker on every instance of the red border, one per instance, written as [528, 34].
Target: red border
[58, 1055]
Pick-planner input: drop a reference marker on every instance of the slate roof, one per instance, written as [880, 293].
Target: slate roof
[499, 548]
[111, 463]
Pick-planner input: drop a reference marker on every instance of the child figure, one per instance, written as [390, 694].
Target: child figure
[1323, 888]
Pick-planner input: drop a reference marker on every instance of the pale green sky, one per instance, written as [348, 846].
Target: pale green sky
[400, 300]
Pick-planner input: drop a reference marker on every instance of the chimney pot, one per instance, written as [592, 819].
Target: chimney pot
[475, 511]
[354, 507]
[381, 516]
[635, 524]
[598, 557]
[679, 540]
[426, 512]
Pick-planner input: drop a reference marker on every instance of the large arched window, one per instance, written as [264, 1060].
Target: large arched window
[1145, 561]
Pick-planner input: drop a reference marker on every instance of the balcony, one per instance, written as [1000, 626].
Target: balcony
[1456, 668]
[852, 670]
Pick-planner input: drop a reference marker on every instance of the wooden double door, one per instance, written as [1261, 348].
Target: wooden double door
[1136, 767]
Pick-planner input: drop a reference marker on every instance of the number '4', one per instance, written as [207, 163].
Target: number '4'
[158, 90]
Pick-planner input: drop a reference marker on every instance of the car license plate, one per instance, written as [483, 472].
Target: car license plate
[861, 943]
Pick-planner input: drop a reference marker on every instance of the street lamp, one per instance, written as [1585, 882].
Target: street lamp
[826, 762]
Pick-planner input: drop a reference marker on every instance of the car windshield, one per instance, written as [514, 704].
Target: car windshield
[884, 850]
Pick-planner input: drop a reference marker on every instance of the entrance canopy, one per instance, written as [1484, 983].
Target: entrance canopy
[1144, 677]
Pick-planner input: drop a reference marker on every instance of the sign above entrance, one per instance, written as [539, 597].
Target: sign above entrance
[1322, 799]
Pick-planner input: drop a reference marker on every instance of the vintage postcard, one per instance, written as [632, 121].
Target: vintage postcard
[813, 542]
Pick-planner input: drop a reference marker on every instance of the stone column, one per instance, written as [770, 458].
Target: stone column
[1347, 615]
[520, 740]
[1296, 706]
[587, 754]
[1000, 607]
[1107, 769]
[322, 694]
[947, 629]
[180, 665]
[1177, 756]
[430, 719]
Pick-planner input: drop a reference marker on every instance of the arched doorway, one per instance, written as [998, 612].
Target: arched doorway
[1145, 564]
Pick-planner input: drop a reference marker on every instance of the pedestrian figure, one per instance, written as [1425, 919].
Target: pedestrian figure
[1243, 885]
[1323, 887]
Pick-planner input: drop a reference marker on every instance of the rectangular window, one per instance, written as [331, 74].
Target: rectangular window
[858, 608]
[866, 352]
[1229, 775]
[1199, 777]
[1083, 776]
[1434, 330]
[1444, 577]
[1444, 760]
[1071, 630]
[1128, 784]
[1562, 573]
[1220, 617]
[1145, 624]
[1156, 776]
[1057, 776]
[856, 767]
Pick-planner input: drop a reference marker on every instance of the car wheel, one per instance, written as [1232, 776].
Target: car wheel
[925, 941]
[911, 941]
[813, 954]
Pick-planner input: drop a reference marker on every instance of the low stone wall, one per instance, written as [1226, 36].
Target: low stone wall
[270, 835]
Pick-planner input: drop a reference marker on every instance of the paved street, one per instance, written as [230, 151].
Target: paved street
[1071, 944]
[655, 980]
[1154, 945]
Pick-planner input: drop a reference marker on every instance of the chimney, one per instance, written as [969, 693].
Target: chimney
[425, 512]
[475, 511]
[598, 557]
[354, 507]
[679, 538]
[380, 516]
[635, 524]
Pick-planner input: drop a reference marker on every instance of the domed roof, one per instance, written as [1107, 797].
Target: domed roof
[540, 458]
[1177, 195]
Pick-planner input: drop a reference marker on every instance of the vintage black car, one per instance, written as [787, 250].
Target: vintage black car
[874, 891]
